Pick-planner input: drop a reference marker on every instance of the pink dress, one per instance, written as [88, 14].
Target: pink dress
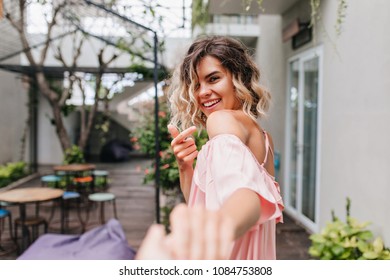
[225, 164]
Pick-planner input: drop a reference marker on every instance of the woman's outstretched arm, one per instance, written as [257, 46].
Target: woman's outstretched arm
[242, 207]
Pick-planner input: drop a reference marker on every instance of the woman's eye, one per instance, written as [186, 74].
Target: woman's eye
[213, 79]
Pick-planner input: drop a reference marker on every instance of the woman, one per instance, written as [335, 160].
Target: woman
[233, 199]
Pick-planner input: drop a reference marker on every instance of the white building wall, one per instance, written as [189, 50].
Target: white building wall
[175, 50]
[356, 114]
[13, 116]
[49, 147]
[354, 152]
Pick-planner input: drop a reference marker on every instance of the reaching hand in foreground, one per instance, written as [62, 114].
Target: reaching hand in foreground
[196, 233]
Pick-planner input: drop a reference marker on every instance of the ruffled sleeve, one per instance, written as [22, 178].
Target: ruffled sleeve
[230, 165]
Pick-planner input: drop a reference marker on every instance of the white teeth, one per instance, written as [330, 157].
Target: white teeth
[211, 103]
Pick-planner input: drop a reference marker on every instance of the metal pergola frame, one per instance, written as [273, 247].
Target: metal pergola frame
[156, 104]
[58, 72]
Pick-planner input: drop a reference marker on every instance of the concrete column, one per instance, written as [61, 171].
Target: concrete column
[270, 58]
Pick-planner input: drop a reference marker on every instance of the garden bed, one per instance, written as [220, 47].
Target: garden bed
[19, 182]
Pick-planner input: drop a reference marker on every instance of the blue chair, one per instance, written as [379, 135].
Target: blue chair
[3, 215]
[67, 198]
[50, 180]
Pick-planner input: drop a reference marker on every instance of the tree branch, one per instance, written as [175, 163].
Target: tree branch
[49, 32]
[19, 26]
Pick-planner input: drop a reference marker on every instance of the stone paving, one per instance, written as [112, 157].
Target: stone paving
[136, 211]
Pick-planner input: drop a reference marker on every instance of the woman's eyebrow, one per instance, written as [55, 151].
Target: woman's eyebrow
[211, 74]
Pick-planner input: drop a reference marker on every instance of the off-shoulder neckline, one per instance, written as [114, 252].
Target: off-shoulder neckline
[243, 144]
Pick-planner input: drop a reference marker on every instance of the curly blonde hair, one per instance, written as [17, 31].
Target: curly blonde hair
[235, 57]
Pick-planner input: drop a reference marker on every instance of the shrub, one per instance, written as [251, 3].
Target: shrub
[11, 172]
[348, 240]
[73, 154]
[169, 171]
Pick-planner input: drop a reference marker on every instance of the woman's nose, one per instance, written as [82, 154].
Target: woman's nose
[204, 91]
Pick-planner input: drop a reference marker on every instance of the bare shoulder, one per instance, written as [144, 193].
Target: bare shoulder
[227, 122]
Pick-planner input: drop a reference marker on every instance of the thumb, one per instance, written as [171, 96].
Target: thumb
[173, 131]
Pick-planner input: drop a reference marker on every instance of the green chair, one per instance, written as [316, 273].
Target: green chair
[101, 179]
[101, 198]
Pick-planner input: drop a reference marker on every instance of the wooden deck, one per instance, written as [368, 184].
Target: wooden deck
[136, 211]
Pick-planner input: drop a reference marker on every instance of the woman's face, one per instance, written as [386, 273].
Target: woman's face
[215, 90]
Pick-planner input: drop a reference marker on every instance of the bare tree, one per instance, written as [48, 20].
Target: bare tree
[58, 99]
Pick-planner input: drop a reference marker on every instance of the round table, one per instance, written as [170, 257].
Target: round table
[75, 167]
[29, 195]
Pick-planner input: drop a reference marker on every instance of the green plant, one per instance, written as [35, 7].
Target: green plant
[169, 171]
[315, 13]
[350, 240]
[200, 13]
[11, 172]
[73, 155]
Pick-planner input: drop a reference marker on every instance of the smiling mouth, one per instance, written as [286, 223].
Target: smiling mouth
[211, 103]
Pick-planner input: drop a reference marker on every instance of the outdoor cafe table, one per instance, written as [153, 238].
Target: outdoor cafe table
[28, 195]
[74, 169]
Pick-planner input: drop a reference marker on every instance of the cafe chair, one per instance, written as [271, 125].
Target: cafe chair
[102, 198]
[84, 185]
[50, 181]
[4, 213]
[69, 200]
[101, 179]
[33, 223]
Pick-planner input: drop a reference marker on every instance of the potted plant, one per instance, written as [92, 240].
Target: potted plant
[349, 240]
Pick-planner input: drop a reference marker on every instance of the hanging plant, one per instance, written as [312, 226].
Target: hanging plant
[341, 14]
[315, 15]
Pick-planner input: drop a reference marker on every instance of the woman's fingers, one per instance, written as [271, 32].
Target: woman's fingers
[211, 231]
[185, 149]
[182, 135]
[183, 145]
[191, 157]
[173, 131]
[153, 246]
[226, 238]
[197, 233]
[189, 142]
[180, 232]
[198, 239]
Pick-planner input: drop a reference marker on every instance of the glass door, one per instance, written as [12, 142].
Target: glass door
[302, 135]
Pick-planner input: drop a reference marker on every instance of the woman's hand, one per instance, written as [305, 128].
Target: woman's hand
[154, 246]
[183, 146]
[199, 234]
[196, 234]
